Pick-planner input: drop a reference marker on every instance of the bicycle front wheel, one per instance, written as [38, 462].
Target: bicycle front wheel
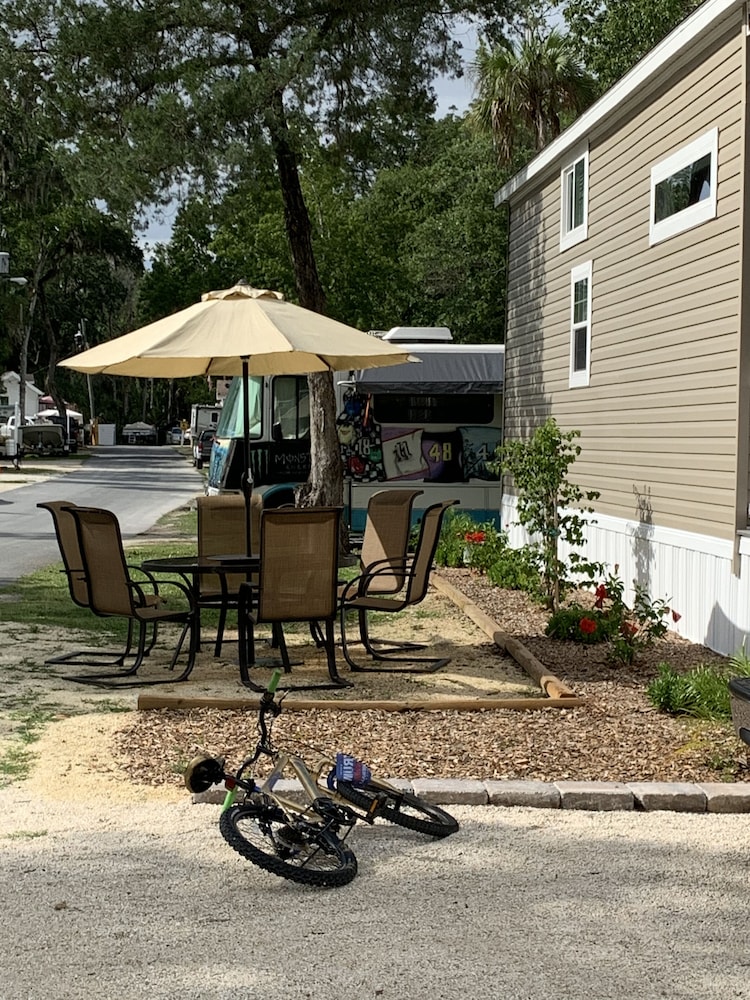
[403, 808]
[264, 834]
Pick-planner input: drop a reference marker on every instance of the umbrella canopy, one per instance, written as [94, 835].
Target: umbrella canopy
[213, 336]
[239, 330]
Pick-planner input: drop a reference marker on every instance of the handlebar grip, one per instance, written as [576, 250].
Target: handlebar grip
[274, 681]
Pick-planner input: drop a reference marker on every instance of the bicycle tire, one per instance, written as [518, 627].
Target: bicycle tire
[260, 832]
[402, 808]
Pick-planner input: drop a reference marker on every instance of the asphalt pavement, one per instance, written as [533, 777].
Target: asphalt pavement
[140, 484]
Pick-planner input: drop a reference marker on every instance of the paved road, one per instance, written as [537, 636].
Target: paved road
[139, 484]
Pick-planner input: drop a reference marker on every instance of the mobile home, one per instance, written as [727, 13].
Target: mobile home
[628, 319]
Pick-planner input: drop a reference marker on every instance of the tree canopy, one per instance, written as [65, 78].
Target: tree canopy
[612, 37]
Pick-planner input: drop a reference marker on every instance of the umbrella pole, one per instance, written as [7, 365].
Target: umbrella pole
[247, 476]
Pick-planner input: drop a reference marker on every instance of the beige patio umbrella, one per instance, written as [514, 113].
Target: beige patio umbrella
[212, 337]
[239, 331]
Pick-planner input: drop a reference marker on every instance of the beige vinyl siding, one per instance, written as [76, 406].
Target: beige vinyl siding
[658, 419]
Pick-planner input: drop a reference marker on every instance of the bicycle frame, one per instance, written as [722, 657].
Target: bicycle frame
[315, 793]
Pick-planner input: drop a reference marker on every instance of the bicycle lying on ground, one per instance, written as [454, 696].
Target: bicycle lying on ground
[301, 837]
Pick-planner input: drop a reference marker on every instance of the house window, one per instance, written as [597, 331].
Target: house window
[683, 188]
[580, 325]
[574, 199]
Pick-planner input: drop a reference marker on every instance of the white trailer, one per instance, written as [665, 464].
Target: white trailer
[203, 416]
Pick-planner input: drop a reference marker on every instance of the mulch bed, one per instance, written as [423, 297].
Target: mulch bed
[618, 735]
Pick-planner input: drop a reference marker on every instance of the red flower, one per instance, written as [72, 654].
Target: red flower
[628, 629]
[600, 593]
[676, 615]
[587, 626]
[474, 537]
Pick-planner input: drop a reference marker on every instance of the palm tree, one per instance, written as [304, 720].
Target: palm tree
[529, 86]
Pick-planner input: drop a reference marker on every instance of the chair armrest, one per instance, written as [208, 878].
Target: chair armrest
[144, 599]
[358, 587]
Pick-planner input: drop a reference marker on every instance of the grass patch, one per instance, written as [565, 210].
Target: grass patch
[25, 835]
[17, 759]
[15, 764]
[43, 599]
[106, 705]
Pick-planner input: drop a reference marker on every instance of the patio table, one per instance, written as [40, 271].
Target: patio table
[191, 567]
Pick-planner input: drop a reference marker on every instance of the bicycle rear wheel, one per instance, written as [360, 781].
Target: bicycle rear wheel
[264, 834]
[402, 808]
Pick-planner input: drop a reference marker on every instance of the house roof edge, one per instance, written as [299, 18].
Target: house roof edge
[675, 43]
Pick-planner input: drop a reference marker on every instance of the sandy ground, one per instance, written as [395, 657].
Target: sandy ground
[144, 899]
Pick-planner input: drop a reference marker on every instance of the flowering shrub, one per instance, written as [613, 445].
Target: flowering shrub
[577, 624]
[626, 630]
[485, 549]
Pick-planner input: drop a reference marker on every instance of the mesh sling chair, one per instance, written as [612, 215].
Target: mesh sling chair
[386, 537]
[113, 593]
[360, 596]
[385, 545]
[67, 540]
[298, 582]
[222, 531]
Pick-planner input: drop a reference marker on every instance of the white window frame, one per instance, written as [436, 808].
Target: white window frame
[701, 211]
[577, 379]
[569, 236]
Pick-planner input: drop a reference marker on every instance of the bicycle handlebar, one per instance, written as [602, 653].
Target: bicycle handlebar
[267, 704]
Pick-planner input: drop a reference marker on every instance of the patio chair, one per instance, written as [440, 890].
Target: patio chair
[362, 596]
[70, 552]
[113, 593]
[386, 538]
[222, 531]
[385, 543]
[298, 582]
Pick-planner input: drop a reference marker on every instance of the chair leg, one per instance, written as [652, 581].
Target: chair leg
[97, 658]
[121, 679]
[330, 645]
[429, 664]
[246, 644]
[100, 679]
[220, 630]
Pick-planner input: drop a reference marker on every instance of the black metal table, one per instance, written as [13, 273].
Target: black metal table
[192, 568]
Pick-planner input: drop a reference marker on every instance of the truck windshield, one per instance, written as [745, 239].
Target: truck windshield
[291, 406]
[230, 422]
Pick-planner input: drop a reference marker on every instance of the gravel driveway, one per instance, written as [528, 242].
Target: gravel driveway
[146, 900]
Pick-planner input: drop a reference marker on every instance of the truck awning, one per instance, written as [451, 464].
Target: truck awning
[472, 368]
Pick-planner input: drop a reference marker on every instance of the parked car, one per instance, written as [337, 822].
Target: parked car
[202, 447]
[175, 435]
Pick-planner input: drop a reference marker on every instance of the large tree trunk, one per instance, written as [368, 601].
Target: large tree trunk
[325, 486]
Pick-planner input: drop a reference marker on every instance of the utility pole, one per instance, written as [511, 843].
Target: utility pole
[15, 444]
[83, 345]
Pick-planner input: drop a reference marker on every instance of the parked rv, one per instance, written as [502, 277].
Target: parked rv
[203, 416]
[437, 423]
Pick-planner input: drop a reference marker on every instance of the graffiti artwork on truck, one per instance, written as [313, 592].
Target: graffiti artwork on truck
[374, 453]
[359, 439]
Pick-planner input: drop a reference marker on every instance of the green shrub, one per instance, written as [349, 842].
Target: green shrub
[450, 548]
[702, 692]
[482, 547]
[514, 569]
